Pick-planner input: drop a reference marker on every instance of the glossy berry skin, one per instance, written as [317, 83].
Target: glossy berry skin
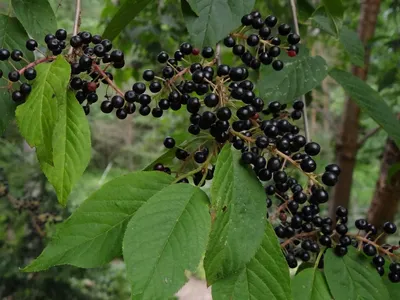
[13, 76]
[17, 96]
[106, 107]
[340, 250]
[369, 250]
[284, 29]
[333, 168]
[31, 44]
[394, 277]
[117, 101]
[61, 34]
[389, 228]
[277, 65]
[378, 261]
[207, 52]
[16, 55]
[293, 38]
[361, 224]
[4, 54]
[271, 21]
[308, 165]
[253, 40]
[169, 143]
[200, 157]
[30, 73]
[162, 57]
[25, 89]
[312, 148]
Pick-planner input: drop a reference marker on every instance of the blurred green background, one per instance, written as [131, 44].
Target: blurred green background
[122, 146]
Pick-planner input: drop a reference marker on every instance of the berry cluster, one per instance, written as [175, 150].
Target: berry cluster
[267, 45]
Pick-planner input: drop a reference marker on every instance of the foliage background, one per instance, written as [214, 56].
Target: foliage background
[123, 146]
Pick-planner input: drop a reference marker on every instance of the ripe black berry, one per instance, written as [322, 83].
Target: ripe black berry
[16, 55]
[389, 227]
[293, 39]
[31, 44]
[277, 65]
[207, 52]
[308, 165]
[253, 40]
[369, 250]
[284, 29]
[13, 76]
[229, 42]
[169, 142]
[17, 96]
[30, 73]
[117, 101]
[106, 106]
[4, 54]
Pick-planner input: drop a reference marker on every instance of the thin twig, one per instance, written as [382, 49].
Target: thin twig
[367, 136]
[77, 21]
[302, 98]
[109, 81]
[218, 54]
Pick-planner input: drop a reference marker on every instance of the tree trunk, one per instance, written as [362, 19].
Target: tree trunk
[347, 143]
[387, 192]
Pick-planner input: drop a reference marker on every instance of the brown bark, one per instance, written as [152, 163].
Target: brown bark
[347, 143]
[387, 192]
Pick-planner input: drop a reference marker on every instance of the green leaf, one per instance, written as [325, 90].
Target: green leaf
[305, 10]
[127, 12]
[388, 79]
[352, 45]
[300, 75]
[36, 16]
[353, 277]
[93, 235]
[71, 147]
[310, 284]
[393, 170]
[212, 20]
[37, 117]
[165, 237]
[266, 276]
[335, 8]
[12, 36]
[369, 101]
[238, 208]
[324, 21]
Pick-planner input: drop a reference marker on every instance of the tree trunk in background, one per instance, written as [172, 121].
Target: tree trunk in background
[387, 192]
[347, 143]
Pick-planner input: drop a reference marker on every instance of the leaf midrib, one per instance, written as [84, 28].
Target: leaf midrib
[165, 244]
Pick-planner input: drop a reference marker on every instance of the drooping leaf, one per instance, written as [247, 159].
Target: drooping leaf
[353, 277]
[12, 36]
[300, 75]
[238, 209]
[37, 117]
[165, 237]
[93, 235]
[127, 12]
[335, 8]
[305, 10]
[324, 21]
[71, 147]
[212, 20]
[310, 284]
[36, 16]
[388, 79]
[266, 276]
[353, 45]
[370, 101]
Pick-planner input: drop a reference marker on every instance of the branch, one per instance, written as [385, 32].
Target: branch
[218, 54]
[367, 136]
[109, 81]
[77, 21]
[303, 99]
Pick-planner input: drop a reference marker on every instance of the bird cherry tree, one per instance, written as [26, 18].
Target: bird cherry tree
[261, 215]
